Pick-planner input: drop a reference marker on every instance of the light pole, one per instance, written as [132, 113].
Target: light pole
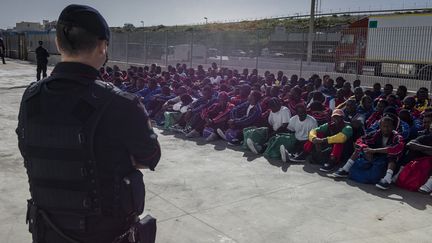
[311, 30]
[206, 19]
[142, 22]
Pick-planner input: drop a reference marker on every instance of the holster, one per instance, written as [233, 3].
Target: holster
[32, 218]
[143, 231]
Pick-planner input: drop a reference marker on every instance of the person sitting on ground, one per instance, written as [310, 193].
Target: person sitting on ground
[213, 117]
[337, 100]
[173, 113]
[383, 145]
[244, 91]
[318, 111]
[277, 123]
[156, 103]
[328, 142]
[293, 100]
[347, 90]
[291, 144]
[415, 149]
[422, 99]
[409, 104]
[355, 119]
[376, 91]
[426, 123]
[388, 90]
[244, 115]
[339, 82]
[401, 126]
[401, 92]
[376, 116]
[207, 99]
[414, 125]
[358, 95]
[356, 83]
[329, 89]
[365, 109]
[148, 93]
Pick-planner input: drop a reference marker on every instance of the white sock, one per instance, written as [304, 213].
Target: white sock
[397, 175]
[428, 183]
[348, 165]
[388, 176]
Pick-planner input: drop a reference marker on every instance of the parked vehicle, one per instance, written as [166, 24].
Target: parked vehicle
[394, 45]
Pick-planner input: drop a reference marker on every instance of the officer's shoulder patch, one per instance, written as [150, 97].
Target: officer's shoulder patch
[32, 90]
[114, 90]
[125, 94]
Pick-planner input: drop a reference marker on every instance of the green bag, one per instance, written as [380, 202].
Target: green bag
[171, 118]
[258, 135]
[273, 145]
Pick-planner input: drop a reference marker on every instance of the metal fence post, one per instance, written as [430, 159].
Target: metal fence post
[127, 48]
[257, 49]
[166, 49]
[145, 48]
[191, 48]
[302, 51]
[221, 49]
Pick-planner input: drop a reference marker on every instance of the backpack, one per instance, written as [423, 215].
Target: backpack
[415, 173]
[369, 172]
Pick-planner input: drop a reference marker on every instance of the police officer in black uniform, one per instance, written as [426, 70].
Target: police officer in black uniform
[42, 61]
[2, 50]
[83, 141]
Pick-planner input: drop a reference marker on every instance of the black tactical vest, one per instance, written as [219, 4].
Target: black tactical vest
[56, 139]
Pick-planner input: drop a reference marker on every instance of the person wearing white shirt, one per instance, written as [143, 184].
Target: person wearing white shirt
[300, 124]
[277, 123]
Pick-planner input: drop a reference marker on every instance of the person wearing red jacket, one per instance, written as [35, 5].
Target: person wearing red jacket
[212, 117]
[384, 142]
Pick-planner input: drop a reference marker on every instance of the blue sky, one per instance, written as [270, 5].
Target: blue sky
[172, 12]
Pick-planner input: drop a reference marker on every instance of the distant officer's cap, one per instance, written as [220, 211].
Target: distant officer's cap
[87, 18]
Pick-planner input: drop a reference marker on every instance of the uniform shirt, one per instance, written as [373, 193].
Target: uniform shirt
[302, 128]
[276, 119]
[123, 131]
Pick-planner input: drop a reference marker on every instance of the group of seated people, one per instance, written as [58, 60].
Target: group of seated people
[368, 135]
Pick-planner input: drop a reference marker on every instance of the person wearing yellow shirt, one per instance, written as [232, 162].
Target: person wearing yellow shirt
[329, 141]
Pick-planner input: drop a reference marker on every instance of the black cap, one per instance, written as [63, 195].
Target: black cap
[87, 18]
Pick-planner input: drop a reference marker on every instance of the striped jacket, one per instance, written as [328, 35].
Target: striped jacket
[241, 119]
[395, 143]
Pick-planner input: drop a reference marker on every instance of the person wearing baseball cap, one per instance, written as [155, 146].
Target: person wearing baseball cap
[83, 142]
[328, 142]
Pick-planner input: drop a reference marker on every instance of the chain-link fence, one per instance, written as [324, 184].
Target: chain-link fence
[397, 55]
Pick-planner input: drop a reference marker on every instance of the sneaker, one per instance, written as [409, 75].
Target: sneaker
[283, 153]
[221, 134]
[301, 158]
[193, 134]
[341, 173]
[383, 185]
[425, 189]
[234, 142]
[212, 137]
[176, 128]
[327, 167]
[255, 148]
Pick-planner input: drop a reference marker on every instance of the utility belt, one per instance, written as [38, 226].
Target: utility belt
[132, 202]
